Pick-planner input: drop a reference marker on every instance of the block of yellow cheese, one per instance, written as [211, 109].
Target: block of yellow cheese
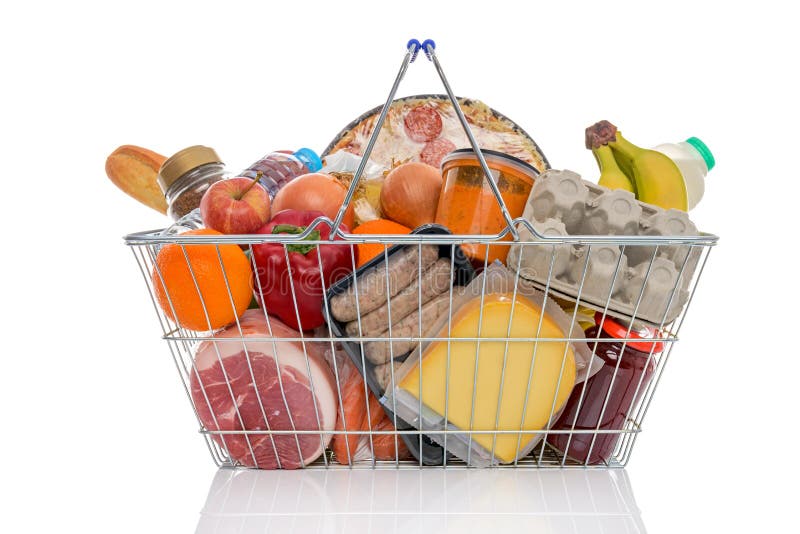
[553, 360]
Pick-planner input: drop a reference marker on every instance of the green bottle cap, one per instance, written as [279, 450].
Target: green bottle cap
[701, 147]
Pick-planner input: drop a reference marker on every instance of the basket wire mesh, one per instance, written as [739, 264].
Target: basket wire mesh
[183, 342]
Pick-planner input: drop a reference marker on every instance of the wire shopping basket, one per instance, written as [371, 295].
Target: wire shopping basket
[491, 369]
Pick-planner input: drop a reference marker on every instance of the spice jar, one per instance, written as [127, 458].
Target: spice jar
[186, 175]
[610, 394]
[467, 204]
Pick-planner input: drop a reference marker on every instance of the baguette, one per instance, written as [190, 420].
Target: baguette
[134, 170]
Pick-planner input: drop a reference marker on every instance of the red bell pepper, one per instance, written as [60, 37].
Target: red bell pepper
[280, 284]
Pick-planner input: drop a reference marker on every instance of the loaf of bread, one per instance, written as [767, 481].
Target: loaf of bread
[134, 170]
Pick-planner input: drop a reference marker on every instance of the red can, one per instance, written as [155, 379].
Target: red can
[618, 380]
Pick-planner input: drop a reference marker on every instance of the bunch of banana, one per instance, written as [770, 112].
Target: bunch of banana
[650, 175]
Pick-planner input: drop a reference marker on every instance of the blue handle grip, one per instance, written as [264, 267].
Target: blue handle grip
[413, 43]
[425, 44]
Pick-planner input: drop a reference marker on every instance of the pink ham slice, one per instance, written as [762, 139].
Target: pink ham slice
[295, 372]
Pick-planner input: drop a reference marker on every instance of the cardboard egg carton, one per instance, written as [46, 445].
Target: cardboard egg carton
[561, 204]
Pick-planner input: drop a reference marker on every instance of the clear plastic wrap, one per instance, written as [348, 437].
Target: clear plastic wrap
[360, 411]
[498, 394]
[366, 202]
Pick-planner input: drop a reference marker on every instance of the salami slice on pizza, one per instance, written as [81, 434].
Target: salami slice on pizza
[426, 128]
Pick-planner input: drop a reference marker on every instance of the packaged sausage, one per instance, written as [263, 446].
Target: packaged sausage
[495, 376]
[377, 354]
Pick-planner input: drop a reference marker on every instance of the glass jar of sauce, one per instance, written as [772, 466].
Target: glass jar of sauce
[467, 204]
[623, 379]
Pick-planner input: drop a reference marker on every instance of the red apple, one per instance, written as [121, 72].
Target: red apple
[235, 206]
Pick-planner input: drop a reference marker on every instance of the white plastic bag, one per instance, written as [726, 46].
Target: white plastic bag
[366, 203]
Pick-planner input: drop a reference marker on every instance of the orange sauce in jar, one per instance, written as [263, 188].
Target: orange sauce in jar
[467, 204]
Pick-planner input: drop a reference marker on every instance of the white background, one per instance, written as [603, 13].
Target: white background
[97, 434]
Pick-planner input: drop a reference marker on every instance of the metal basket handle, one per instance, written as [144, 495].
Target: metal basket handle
[412, 49]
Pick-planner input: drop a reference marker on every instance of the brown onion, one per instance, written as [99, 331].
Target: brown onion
[410, 194]
[314, 192]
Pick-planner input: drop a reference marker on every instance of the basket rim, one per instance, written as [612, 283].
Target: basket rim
[155, 237]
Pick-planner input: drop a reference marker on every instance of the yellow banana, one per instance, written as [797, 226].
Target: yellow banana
[623, 163]
[610, 174]
[656, 179]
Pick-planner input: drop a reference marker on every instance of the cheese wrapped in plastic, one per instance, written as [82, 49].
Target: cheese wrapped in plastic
[500, 379]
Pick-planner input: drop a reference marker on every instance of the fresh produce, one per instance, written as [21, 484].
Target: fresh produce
[367, 251]
[314, 192]
[134, 170]
[655, 177]
[278, 284]
[235, 206]
[372, 284]
[261, 384]
[410, 194]
[351, 448]
[353, 410]
[272, 389]
[611, 176]
[214, 268]
[551, 379]
[695, 160]
[384, 445]
[434, 281]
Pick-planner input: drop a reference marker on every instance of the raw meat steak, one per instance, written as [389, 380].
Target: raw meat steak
[258, 385]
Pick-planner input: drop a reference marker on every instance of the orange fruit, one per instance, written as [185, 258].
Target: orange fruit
[367, 251]
[181, 293]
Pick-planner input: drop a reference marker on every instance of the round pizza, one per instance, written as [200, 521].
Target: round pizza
[426, 128]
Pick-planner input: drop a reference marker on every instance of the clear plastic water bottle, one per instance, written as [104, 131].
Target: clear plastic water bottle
[694, 160]
[280, 167]
[190, 221]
